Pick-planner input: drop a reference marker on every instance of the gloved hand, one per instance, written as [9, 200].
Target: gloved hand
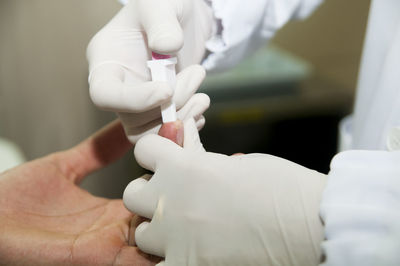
[212, 209]
[118, 55]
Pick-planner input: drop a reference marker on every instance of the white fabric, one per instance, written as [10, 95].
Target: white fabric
[213, 209]
[360, 209]
[246, 26]
[345, 141]
[241, 29]
[117, 54]
[393, 142]
[377, 108]
[362, 198]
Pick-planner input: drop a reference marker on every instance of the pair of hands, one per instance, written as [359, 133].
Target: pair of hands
[206, 208]
[212, 209]
[46, 218]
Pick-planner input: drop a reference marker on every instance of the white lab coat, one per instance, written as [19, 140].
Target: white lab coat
[361, 202]
[377, 108]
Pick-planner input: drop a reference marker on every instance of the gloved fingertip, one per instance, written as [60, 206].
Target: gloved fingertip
[167, 43]
[130, 194]
[200, 123]
[148, 240]
[205, 100]
[201, 72]
[136, 220]
[191, 136]
[140, 236]
[141, 229]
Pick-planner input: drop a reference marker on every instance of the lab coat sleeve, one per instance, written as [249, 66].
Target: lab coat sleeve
[361, 209]
[244, 26]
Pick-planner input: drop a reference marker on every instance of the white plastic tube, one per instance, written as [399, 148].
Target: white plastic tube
[163, 69]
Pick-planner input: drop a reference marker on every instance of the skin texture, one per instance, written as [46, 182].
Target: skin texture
[172, 131]
[46, 219]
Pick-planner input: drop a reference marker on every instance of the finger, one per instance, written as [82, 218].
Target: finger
[152, 148]
[160, 22]
[188, 82]
[173, 131]
[140, 198]
[135, 133]
[99, 150]
[191, 137]
[200, 122]
[139, 119]
[109, 90]
[149, 240]
[135, 221]
[195, 107]
[135, 123]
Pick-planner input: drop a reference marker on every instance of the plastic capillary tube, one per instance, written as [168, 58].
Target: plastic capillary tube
[162, 68]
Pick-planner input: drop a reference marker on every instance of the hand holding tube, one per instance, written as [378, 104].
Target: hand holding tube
[118, 74]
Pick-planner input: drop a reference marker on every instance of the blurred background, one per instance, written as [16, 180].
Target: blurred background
[286, 100]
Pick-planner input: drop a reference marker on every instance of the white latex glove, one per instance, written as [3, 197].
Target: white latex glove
[213, 209]
[118, 55]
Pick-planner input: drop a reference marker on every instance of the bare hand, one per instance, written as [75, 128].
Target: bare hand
[46, 219]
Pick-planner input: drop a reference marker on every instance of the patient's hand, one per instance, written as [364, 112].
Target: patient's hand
[46, 219]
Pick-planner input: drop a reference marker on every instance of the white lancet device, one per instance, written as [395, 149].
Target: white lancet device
[163, 69]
